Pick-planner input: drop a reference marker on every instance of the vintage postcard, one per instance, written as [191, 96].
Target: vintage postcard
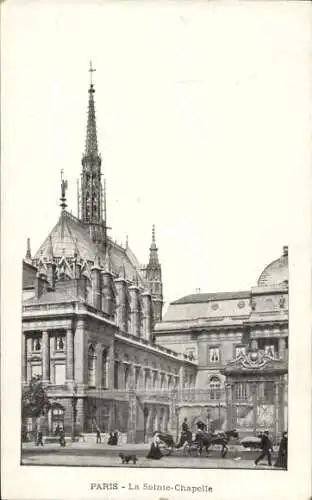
[156, 250]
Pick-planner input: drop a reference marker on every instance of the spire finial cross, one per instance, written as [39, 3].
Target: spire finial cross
[64, 186]
[91, 70]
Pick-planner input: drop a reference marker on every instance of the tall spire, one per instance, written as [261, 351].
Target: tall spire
[91, 146]
[153, 279]
[91, 179]
[153, 259]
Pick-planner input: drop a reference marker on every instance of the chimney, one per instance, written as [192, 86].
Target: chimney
[285, 251]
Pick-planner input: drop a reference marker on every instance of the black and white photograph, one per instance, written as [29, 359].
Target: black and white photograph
[153, 152]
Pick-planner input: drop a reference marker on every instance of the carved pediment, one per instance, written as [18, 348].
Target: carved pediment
[255, 361]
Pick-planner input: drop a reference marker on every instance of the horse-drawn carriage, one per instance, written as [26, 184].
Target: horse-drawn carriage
[194, 447]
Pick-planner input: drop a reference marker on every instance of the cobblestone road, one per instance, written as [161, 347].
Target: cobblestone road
[87, 457]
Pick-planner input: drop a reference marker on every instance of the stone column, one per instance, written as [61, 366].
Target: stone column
[96, 287]
[172, 417]
[276, 411]
[158, 418]
[121, 375]
[122, 309]
[81, 353]
[110, 363]
[281, 347]
[132, 416]
[80, 419]
[132, 377]
[147, 315]
[50, 430]
[147, 416]
[45, 358]
[98, 365]
[24, 358]
[69, 355]
[181, 379]
[135, 310]
[255, 406]
[229, 404]
[28, 350]
[281, 407]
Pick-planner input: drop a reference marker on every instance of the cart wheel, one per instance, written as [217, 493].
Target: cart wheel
[165, 449]
[194, 451]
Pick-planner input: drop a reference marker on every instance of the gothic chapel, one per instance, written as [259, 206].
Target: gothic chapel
[92, 328]
[89, 310]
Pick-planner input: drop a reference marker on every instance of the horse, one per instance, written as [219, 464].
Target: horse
[205, 440]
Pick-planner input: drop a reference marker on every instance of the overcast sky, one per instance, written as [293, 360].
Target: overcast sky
[203, 128]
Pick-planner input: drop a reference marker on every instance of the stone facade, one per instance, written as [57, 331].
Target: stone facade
[224, 329]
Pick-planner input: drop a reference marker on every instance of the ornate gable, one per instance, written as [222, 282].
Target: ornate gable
[253, 362]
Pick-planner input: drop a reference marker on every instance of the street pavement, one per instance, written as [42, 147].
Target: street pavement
[82, 454]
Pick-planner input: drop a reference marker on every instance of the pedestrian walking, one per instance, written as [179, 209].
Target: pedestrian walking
[39, 438]
[98, 436]
[185, 435]
[62, 439]
[267, 448]
[282, 452]
[110, 439]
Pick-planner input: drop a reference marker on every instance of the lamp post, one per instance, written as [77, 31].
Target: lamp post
[145, 413]
[74, 412]
[208, 419]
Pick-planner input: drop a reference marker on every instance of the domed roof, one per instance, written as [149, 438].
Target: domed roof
[275, 273]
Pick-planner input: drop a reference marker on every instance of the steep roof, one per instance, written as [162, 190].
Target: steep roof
[70, 236]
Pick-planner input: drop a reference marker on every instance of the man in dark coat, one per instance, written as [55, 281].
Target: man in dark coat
[62, 438]
[267, 448]
[39, 438]
[185, 433]
[98, 436]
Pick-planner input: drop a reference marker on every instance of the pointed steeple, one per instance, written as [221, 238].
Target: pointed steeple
[28, 251]
[91, 180]
[153, 259]
[154, 280]
[91, 146]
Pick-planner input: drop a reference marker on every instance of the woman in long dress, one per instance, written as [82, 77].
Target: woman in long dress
[154, 451]
[282, 452]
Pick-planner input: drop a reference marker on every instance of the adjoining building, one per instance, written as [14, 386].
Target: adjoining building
[240, 343]
[92, 327]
